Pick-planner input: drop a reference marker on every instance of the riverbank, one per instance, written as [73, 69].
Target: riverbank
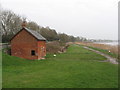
[109, 49]
[108, 43]
[76, 68]
[109, 58]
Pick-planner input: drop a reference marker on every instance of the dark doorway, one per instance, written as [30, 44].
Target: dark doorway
[32, 52]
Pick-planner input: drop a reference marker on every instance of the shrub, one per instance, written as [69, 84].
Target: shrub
[53, 47]
[7, 50]
[56, 47]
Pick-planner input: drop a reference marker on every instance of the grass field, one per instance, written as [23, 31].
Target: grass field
[106, 52]
[105, 48]
[77, 68]
[0, 69]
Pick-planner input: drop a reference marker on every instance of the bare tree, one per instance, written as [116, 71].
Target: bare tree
[33, 25]
[10, 23]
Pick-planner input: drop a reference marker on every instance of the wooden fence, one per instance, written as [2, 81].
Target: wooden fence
[4, 45]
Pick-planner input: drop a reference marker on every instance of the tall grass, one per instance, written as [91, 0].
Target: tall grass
[112, 49]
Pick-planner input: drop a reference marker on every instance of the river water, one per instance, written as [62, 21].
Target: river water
[109, 43]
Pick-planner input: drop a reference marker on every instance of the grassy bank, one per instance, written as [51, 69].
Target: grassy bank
[0, 69]
[102, 48]
[76, 68]
[106, 52]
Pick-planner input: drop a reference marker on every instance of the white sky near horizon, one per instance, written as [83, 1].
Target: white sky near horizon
[93, 19]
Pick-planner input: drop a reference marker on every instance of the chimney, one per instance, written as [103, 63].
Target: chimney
[23, 24]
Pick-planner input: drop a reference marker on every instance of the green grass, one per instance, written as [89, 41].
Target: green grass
[77, 68]
[0, 69]
[106, 52]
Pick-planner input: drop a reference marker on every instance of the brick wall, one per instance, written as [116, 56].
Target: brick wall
[41, 49]
[22, 44]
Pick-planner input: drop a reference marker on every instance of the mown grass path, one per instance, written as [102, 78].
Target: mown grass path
[76, 68]
[109, 58]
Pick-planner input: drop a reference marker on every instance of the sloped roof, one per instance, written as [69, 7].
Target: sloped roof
[33, 33]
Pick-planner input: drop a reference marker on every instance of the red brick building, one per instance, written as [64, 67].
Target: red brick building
[28, 44]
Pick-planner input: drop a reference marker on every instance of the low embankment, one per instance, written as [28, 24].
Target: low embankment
[56, 47]
[110, 48]
[107, 49]
[76, 68]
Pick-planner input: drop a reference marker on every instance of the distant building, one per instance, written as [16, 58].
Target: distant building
[28, 44]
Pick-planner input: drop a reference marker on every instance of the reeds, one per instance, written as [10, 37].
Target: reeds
[111, 48]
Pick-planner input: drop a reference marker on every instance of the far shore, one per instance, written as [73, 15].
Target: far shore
[108, 43]
[111, 48]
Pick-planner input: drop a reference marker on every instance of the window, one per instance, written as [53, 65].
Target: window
[32, 52]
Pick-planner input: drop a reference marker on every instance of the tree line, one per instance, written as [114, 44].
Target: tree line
[11, 24]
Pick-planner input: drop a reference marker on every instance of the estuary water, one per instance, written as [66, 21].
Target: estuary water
[109, 43]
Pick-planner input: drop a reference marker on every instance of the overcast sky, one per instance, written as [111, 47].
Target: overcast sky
[94, 19]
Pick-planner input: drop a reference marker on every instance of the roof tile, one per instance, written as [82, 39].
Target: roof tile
[35, 34]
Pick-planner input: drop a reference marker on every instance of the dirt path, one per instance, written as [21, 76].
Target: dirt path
[109, 59]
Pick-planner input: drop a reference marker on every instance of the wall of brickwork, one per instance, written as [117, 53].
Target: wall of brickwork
[22, 44]
[41, 49]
